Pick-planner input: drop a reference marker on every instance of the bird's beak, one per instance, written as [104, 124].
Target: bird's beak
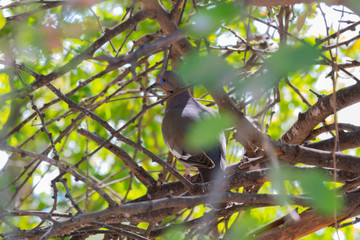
[155, 85]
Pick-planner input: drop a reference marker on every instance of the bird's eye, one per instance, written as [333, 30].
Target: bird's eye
[164, 80]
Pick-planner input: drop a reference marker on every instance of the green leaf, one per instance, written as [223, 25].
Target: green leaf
[313, 184]
[205, 134]
[287, 60]
[322, 198]
[290, 59]
[174, 234]
[210, 18]
[209, 70]
[243, 225]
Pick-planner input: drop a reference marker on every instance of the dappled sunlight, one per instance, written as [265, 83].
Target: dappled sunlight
[179, 119]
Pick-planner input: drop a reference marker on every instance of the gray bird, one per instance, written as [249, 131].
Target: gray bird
[181, 111]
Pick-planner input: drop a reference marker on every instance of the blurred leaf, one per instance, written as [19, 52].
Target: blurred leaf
[322, 198]
[301, 21]
[209, 70]
[4, 86]
[174, 234]
[51, 38]
[287, 60]
[205, 133]
[278, 177]
[355, 47]
[242, 226]
[354, 5]
[210, 18]
[2, 20]
[290, 59]
[73, 30]
[313, 184]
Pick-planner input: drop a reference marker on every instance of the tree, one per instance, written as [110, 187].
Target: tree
[84, 151]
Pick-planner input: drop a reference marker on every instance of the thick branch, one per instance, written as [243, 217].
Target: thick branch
[347, 140]
[299, 154]
[81, 220]
[308, 120]
[310, 221]
[167, 24]
[239, 179]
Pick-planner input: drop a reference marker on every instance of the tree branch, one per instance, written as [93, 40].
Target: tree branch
[308, 120]
[131, 209]
[75, 61]
[347, 140]
[140, 173]
[295, 229]
[63, 167]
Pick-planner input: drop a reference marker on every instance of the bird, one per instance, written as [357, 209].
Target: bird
[181, 111]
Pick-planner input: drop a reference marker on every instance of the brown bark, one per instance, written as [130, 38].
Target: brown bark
[308, 120]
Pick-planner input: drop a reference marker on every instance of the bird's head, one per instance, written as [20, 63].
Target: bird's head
[168, 82]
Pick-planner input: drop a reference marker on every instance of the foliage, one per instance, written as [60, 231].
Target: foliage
[79, 134]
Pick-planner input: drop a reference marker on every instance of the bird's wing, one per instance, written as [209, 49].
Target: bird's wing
[200, 160]
[218, 153]
[173, 129]
[174, 126]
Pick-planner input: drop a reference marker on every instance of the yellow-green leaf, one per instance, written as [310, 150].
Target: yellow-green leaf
[2, 20]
